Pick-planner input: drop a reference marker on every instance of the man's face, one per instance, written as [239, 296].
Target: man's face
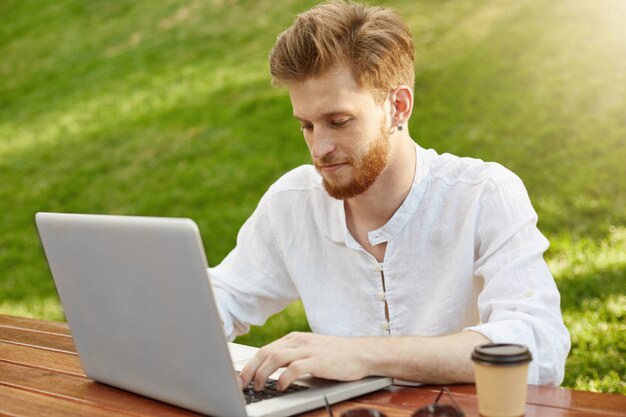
[345, 130]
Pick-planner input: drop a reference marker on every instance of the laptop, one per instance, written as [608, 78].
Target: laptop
[138, 300]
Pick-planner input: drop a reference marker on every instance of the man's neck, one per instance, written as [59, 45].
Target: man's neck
[373, 209]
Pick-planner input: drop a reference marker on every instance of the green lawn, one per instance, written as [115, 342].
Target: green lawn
[165, 108]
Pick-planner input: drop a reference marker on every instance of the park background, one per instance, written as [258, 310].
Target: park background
[165, 108]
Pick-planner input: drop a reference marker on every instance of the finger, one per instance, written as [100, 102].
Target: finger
[296, 369]
[250, 369]
[274, 361]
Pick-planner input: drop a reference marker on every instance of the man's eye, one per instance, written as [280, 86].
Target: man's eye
[306, 126]
[340, 122]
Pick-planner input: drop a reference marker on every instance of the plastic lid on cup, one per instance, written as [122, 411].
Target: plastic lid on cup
[501, 354]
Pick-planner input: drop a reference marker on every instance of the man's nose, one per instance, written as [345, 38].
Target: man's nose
[321, 144]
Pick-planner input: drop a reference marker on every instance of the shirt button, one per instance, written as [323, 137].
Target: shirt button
[385, 326]
[381, 296]
[378, 267]
[529, 293]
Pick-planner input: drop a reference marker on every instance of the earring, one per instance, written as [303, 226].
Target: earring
[399, 127]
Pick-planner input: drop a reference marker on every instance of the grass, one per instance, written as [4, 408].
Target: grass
[165, 108]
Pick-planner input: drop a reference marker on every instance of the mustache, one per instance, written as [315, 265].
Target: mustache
[330, 159]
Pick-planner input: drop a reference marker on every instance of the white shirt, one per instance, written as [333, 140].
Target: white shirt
[463, 252]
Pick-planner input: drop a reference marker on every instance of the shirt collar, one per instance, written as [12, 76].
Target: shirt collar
[337, 230]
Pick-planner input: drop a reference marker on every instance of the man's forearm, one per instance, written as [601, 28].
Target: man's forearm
[440, 360]
[443, 360]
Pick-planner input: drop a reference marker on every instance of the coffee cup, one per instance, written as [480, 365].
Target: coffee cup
[501, 373]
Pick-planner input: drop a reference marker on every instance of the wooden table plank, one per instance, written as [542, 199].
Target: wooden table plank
[41, 358]
[40, 374]
[411, 399]
[390, 411]
[84, 391]
[33, 324]
[608, 404]
[35, 338]
[579, 400]
[20, 403]
[403, 401]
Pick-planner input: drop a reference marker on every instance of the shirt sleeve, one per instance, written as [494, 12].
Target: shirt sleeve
[252, 283]
[520, 302]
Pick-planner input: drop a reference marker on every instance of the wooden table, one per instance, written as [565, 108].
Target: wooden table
[40, 375]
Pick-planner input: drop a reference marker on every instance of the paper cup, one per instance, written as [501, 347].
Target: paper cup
[501, 373]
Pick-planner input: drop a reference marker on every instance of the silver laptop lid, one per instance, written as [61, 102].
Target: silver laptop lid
[139, 304]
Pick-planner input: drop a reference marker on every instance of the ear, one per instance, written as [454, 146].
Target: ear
[401, 99]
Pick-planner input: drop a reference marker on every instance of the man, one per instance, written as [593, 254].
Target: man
[404, 259]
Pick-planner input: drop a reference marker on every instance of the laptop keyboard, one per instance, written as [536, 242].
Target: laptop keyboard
[270, 391]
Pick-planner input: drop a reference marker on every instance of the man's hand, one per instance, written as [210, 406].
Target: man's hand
[329, 357]
[437, 360]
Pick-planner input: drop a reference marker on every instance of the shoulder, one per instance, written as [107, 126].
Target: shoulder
[463, 181]
[301, 180]
[453, 170]
[297, 201]
[298, 187]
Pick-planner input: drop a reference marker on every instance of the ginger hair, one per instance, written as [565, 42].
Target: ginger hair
[374, 42]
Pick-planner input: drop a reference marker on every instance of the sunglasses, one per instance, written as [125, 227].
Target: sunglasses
[431, 410]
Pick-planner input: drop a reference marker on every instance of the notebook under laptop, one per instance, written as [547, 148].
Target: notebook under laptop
[137, 298]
